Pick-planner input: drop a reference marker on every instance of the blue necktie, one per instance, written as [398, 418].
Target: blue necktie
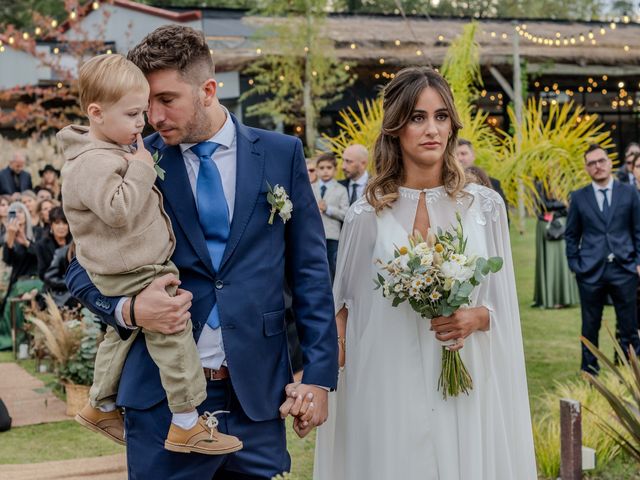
[605, 203]
[213, 213]
[323, 190]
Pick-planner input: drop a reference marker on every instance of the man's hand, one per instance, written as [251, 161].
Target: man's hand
[157, 311]
[638, 269]
[461, 324]
[141, 154]
[322, 205]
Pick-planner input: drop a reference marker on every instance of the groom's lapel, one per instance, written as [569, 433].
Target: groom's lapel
[249, 180]
[177, 190]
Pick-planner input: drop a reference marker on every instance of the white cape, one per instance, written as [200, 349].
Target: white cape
[387, 420]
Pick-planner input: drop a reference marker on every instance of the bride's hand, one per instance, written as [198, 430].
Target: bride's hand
[461, 324]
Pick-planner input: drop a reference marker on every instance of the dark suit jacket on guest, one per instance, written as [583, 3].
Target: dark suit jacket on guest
[590, 237]
[623, 175]
[8, 185]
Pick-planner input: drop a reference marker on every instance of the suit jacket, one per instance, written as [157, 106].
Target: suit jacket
[248, 285]
[8, 186]
[590, 237]
[623, 175]
[337, 201]
[345, 183]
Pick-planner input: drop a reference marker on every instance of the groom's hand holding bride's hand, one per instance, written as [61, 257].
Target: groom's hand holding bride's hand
[157, 311]
[460, 325]
[308, 404]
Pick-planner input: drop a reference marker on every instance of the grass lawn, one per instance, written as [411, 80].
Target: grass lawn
[552, 352]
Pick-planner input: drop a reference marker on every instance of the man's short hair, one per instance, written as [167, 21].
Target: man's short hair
[175, 47]
[105, 79]
[327, 157]
[463, 141]
[592, 148]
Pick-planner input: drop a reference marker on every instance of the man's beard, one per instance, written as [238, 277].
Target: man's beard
[199, 127]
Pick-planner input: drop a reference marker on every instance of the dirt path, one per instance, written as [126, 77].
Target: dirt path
[112, 467]
[26, 398]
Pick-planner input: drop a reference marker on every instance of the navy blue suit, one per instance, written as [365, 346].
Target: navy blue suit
[8, 185]
[248, 289]
[604, 252]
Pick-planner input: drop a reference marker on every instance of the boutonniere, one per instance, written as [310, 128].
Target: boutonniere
[280, 203]
[156, 161]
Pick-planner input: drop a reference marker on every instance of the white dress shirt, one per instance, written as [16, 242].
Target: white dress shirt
[599, 196]
[210, 346]
[360, 183]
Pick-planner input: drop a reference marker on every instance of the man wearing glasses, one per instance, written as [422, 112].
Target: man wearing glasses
[625, 172]
[603, 250]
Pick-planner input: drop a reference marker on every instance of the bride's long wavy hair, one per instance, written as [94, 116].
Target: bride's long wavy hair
[399, 100]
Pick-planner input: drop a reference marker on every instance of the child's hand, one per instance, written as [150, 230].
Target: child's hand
[141, 154]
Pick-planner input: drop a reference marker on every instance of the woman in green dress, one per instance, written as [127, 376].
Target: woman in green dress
[555, 285]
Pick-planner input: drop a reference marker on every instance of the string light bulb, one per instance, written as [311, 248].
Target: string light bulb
[95, 5]
[54, 23]
[73, 15]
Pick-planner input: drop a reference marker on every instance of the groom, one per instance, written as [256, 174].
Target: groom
[231, 272]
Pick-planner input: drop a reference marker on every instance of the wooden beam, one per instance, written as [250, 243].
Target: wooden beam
[570, 440]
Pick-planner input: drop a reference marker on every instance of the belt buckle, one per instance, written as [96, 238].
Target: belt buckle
[610, 258]
[212, 374]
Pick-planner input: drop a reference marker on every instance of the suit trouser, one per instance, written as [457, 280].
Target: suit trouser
[175, 355]
[263, 456]
[621, 285]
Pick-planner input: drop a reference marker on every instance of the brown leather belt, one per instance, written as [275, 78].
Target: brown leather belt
[220, 374]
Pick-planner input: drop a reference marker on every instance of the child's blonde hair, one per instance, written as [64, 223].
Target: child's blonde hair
[107, 78]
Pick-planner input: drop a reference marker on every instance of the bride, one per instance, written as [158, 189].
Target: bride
[387, 419]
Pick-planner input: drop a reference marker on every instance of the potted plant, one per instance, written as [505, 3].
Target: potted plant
[72, 343]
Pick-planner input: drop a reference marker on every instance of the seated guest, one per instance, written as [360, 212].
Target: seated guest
[18, 253]
[14, 178]
[43, 194]
[50, 180]
[29, 199]
[54, 277]
[333, 202]
[5, 200]
[41, 228]
[57, 236]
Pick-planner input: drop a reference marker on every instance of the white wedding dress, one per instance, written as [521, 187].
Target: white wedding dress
[387, 420]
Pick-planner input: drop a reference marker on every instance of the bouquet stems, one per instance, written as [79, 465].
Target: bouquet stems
[454, 377]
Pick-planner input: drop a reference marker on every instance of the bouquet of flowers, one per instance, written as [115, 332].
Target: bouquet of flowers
[436, 277]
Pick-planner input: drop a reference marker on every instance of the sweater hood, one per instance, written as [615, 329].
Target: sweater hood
[75, 140]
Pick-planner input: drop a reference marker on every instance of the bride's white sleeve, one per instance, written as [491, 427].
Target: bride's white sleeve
[510, 401]
[354, 263]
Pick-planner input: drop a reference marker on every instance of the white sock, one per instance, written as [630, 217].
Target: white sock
[185, 420]
[107, 407]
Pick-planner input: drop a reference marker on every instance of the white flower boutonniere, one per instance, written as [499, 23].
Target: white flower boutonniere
[156, 160]
[280, 203]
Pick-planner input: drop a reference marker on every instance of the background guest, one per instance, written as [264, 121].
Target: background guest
[477, 175]
[43, 194]
[355, 160]
[18, 253]
[467, 157]
[15, 178]
[5, 201]
[50, 179]
[635, 166]
[603, 240]
[333, 203]
[625, 173]
[57, 236]
[311, 170]
[54, 277]
[555, 285]
[42, 212]
[29, 199]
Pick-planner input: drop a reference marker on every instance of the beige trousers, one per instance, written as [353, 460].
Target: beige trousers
[175, 355]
